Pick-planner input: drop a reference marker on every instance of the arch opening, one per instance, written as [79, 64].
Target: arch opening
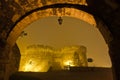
[46, 33]
[14, 35]
[71, 12]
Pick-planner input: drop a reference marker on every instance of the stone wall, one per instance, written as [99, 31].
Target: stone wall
[10, 64]
[12, 11]
[40, 58]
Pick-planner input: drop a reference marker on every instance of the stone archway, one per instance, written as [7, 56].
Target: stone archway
[72, 12]
[26, 20]
[25, 8]
[60, 10]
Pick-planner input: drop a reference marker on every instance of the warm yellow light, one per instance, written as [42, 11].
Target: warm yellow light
[39, 58]
[68, 63]
[33, 68]
[37, 69]
[28, 67]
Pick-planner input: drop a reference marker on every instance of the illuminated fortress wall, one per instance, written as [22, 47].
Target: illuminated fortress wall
[39, 58]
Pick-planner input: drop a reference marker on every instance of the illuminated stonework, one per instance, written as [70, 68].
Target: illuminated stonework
[39, 58]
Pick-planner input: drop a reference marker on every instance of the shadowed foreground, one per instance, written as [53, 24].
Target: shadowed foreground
[72, 74]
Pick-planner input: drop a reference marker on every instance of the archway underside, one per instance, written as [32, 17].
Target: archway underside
[20, 7]
[72, 12]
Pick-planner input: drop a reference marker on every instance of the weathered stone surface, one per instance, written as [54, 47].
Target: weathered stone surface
[13, 11]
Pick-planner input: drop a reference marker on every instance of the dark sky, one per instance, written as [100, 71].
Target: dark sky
[73, 31]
